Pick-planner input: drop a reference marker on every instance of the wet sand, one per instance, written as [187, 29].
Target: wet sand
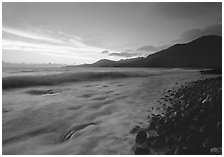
[83, 118]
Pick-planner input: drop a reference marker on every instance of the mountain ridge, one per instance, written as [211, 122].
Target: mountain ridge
[203, 52]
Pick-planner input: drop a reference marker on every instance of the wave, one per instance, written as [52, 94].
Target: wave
[50, 80]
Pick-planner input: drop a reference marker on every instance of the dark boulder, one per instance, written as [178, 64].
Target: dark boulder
[149, 140]
[141, 137]
[142, 151]
[205, 130]
[158, 142]
[193, 139]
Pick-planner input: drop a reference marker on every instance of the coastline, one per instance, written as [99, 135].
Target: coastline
[191, 123]
[40, 118]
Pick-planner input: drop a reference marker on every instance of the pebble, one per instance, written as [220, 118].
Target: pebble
[209, 142]
[142, 151]
[135, 130]
[205, 130]
[191, 123]
[216, 150]
[173, 115]
[158, 143]
[152, 125]
[169, 140]
[141, 137]
[204, 101]
[219, 127]
[179, 151]
[193, 139]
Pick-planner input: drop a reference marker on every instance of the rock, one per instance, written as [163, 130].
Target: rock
[173, 115]
[201, 116]
[181, 139]
[193, 139]
[169, 140]
[193, 127]
[181, 97]
[202, 112]
[216, 150]
[158, 127]
[141, 137]
[193, 119]
[149, 140]
[142, 151]
[158, 142]
[49, 91]
[204, 101]
[135, 130]
[153, 123]
[41, 92]
[219, 127]
[194, 110]
[185, 115]
[70, 134]
[204, 151]
[179, 151]
[218, 140]
[205, 130]
[196, 150]
[210, 142]
[197, 120]
[4, 110]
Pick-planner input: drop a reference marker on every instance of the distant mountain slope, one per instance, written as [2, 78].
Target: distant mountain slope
[134, 62]
[204, 52]
[104, 62]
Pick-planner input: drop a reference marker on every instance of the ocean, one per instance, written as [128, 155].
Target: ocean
[81, 110]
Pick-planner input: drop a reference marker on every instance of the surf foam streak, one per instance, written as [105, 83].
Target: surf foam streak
[49, 80]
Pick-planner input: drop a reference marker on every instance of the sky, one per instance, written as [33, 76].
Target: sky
[78, 33]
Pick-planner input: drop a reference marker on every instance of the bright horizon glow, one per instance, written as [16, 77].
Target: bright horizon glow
[50, 43]
[78, 33]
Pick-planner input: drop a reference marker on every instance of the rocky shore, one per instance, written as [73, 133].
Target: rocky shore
[191, 123]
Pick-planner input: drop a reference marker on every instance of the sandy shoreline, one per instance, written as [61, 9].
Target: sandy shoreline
[35, 124]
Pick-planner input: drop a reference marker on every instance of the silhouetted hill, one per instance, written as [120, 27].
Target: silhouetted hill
[204, 52]
[104, 62]
[134, 62]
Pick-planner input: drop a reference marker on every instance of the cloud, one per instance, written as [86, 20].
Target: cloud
[196, 33]
[70, 36]
[105, 52]
[127, 53]
[140, 52]
[27, 34]
[151, 48]
[188, 10]
[51, 42]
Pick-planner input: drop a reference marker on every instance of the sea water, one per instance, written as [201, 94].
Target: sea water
[80, 110]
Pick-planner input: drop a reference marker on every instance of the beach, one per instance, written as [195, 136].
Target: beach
[86, 117]
[191, 123]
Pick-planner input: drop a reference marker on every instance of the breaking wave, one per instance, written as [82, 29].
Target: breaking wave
[49, 80]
